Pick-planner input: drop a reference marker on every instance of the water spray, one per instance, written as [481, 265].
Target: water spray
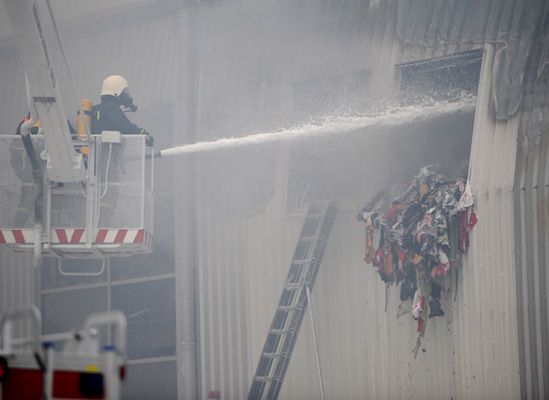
[329, 126]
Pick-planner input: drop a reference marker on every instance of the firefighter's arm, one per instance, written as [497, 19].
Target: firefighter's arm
[125, 126]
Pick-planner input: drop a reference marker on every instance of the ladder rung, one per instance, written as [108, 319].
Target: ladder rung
[308, 238]
[272, 355]
[266, 378]
[303, 262]
[280, 331]
[293, 286]
[289, 308]
[316, 214]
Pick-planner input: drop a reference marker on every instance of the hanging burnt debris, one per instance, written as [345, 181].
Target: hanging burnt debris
[416, 232]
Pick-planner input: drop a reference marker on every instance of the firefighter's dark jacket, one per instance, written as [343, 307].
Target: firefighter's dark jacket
[107, 116]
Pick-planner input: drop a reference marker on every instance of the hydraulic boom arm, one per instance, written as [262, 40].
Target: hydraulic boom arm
[64, 163]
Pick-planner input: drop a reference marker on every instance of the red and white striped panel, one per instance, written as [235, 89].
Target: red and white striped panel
[16, 236]
[68, 236]
[119, 236]
[77, 236]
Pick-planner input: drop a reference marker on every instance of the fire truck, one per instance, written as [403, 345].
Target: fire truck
[70, 365]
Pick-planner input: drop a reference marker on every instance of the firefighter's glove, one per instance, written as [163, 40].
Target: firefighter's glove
[149, 139]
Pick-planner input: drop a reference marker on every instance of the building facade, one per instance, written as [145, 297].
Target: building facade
[226, 223]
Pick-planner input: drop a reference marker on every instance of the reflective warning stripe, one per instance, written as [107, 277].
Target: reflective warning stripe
[73, 236]
[111, 234]
[101, 234]
[77, 236]
[16, 236]
[61, 235]
[139, 236]
[120, 235]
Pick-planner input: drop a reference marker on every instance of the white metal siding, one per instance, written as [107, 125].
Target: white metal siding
[223, 307]
[365, 351]
[12, 81]
[486, 313]
[17, 285]
[531, 216]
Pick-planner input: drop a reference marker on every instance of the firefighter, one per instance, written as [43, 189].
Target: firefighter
[108, 116]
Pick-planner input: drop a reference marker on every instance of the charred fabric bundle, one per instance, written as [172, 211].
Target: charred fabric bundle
[423, 228]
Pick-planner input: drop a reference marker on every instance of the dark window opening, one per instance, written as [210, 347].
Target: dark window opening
[442, 79]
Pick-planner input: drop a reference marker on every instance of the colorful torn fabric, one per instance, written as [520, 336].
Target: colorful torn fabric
[423, 226]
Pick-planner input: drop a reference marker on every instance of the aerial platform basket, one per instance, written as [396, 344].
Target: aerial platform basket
[110, 215]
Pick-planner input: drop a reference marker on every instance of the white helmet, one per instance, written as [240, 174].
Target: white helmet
[114, 85]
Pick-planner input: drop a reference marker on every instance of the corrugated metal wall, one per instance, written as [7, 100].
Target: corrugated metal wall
[223, 307]
[17, 286]
[349, 300]
[246, 84]
[485, 317]
[12, 80]
[531, 224]
[365, 351]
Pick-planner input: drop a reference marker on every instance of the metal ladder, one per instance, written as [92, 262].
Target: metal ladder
[292, 305]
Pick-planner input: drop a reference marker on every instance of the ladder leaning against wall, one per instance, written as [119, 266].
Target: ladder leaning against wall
[286, 323]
